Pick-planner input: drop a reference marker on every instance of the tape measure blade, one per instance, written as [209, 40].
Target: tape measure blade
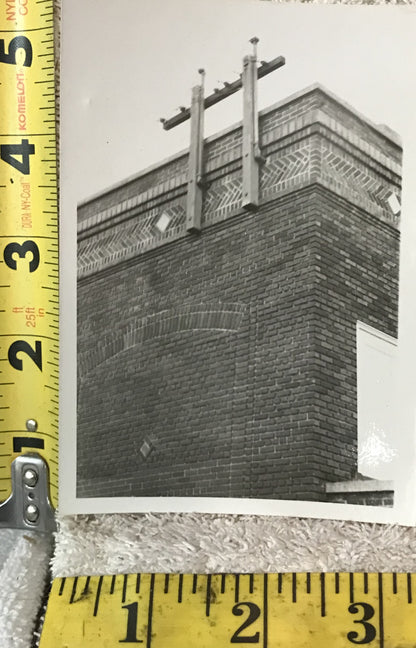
[29, 296]
[213, 611]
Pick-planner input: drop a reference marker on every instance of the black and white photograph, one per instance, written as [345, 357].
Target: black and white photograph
[236, 258]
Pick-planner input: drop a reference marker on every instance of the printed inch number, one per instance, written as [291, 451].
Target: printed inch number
[369, 630]
[131, 631]
[29, 240]
[223, 610]
[19, 52]
[254, 613]
[24, 347]
[29, 290]
[17, 43]
[21, 249]
[238, 609]
[353, 636]
[24, 149]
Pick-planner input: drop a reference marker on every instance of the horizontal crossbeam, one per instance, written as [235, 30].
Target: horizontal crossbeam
[230, 88]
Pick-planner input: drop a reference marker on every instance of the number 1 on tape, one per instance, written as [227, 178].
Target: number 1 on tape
[28, 240]
[219, 610]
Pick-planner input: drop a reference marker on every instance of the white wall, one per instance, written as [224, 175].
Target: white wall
[376, 395]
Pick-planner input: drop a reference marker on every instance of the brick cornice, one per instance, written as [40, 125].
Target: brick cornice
[304, 140]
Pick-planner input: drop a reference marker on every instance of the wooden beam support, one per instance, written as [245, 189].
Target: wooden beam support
[228, 89]
[195, 166]
[251, 151]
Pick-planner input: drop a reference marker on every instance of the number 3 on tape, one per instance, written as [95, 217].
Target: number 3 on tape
[29, 297]
[220, 610]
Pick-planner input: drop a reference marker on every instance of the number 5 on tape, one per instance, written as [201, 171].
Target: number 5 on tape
[29, 298]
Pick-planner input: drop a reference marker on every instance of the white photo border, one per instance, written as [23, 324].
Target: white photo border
[403, 511]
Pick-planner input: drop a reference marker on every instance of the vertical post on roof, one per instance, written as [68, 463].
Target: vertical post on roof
[251, 151]
[196, 152]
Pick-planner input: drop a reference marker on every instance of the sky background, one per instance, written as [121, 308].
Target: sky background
[125, 64]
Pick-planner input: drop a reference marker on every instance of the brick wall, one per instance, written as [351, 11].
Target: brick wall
[369, 492]
[371, 498]
[223, 363]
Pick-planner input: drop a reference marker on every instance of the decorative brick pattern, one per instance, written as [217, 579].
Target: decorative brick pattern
[309, 139]
[223, 197]
[129, 208]
[132, 237]
[359, 184]
[285, 170]
[160, 179]
[196, 317]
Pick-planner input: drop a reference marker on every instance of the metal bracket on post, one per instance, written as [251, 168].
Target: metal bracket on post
[28, 507]
[251, 150]
[196, 152]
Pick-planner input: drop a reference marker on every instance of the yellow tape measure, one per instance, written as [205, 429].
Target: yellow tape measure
[28, 239]
[217, 611]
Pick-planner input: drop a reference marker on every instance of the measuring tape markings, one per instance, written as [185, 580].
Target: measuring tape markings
[29, 298]
[214, 611]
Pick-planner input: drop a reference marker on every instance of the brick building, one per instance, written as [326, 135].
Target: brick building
[223, 363]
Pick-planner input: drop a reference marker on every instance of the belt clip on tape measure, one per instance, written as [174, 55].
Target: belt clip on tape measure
[28, 267]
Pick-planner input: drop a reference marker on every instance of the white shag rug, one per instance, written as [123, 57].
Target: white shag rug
[198, 543]
[24, 570]
[107, 544]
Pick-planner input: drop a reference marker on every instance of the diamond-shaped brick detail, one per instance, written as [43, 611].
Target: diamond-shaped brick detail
[146, 449]
[394, 204]
[138, 234]
[163, 222]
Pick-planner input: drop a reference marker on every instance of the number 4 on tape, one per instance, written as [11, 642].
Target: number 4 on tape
[24, 149]
[29, 321]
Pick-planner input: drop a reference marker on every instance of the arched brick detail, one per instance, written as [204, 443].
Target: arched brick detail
[224, 318]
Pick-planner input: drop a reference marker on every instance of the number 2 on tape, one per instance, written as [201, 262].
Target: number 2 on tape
[29, 298]
[221, 610]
